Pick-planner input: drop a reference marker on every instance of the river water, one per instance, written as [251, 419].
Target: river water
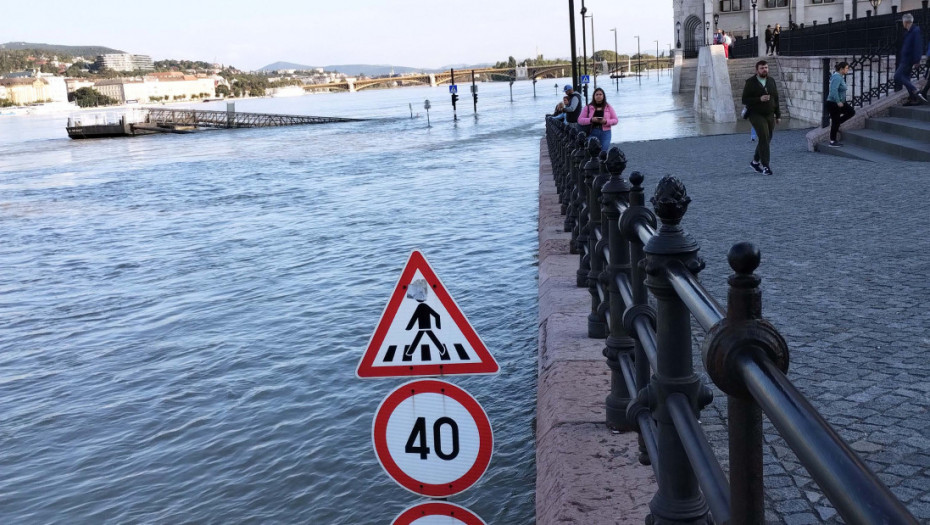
[181, 316]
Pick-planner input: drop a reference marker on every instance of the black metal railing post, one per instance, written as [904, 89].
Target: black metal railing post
[638, 212]
[576, 162]
[679, 498]
[619, 343]
[744, 426]
[597, 326]
[586, 174]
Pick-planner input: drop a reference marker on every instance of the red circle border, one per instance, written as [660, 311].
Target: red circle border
[427, 386]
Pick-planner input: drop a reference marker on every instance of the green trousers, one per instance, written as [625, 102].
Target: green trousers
[765, 127]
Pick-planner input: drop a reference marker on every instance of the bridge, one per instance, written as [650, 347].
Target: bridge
[534, 73]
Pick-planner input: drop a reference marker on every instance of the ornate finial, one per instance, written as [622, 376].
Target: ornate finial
[580, 139]
[744, 258]
[636, 178]
[670, 200]
[616, 161]
[593, 145]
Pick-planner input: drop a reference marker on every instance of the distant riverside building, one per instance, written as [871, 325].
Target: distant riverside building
[124, 62]
[158, 86]
[30, 90]
[735, 17]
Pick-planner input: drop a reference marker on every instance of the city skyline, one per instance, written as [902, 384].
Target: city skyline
[401, 33]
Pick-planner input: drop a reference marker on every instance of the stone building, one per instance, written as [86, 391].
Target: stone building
[696, 20]
[158, 86]
[31, 90]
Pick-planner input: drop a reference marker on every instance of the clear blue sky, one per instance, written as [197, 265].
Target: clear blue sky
[250, 34]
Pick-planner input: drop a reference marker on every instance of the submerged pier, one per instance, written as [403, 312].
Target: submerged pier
[146, 121]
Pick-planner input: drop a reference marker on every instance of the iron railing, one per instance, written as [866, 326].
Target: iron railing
[851, 37]
[624, 256]
[745, 48]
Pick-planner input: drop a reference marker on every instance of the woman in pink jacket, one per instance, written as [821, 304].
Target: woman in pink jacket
[600, 116]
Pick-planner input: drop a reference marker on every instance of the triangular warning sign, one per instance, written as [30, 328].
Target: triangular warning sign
[423, 332]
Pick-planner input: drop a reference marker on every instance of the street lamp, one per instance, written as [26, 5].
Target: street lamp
[875, 4]
[616, 58]
[639, 61]
[657, 59]
[571, 24]
[706, 29]
[593, 51]
[678, 35]
[584, 50]
[755, 31]
[716, 19]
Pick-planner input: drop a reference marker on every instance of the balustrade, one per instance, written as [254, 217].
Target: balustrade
[654, 389]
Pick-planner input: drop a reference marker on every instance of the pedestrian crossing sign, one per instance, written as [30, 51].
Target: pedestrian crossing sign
[423, 332]
[585, 79]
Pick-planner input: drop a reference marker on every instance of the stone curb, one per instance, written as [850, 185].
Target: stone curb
[584, 472]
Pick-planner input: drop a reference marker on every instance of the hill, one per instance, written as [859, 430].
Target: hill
[285, 65]
[84, 51]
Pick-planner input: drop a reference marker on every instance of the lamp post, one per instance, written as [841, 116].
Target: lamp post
[716, 19]
[639, 61]
[706, 29]
[755, 31]
[571, 30]
[593, 51]
[875, 4]
[678, 35]
[616, 58]
[657, 59]
[584, 50]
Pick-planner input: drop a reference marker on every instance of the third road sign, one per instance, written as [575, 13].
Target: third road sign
[432, 438]
[437, 513]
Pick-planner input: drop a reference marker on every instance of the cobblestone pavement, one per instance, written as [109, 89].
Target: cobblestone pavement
[846, 279]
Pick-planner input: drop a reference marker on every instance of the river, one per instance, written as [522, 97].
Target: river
[181, 316]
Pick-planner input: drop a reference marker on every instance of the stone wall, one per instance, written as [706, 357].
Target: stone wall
[802, 78]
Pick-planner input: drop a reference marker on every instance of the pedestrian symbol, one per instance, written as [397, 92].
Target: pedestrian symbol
[585, 79]
[423, 332]
[453, 89]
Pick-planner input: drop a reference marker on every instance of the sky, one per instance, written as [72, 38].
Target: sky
[423, 34]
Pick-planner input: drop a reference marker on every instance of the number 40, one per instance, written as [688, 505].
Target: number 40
[418, 434]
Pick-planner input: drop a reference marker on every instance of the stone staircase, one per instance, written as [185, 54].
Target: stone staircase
[688, 77]
[903, 135]
[742, 68]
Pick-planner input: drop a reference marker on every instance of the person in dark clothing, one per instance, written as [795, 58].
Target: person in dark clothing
[573, 109]
[911, 51]
[776, 36]
[760, 96]
[769, 45]
[840, 111]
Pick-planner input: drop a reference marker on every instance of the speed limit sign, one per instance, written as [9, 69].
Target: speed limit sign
[432, 438]
[437, 513]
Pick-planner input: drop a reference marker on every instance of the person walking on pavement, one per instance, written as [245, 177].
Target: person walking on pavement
[600, 116]
[760, 96]
[573, 109]
[769, 46]
[911, 51]
[776, 35]
[840, 110]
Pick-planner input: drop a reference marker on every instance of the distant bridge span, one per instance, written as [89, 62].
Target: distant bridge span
[445, 77]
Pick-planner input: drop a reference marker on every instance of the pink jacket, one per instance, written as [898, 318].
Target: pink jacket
[585, 118]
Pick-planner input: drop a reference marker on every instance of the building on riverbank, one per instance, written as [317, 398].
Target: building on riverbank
[159, 86]
[29, 90]
[124, 62]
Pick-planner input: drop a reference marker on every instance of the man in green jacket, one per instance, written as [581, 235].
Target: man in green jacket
[760, 96]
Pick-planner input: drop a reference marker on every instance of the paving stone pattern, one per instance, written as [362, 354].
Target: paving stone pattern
[846, 279]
